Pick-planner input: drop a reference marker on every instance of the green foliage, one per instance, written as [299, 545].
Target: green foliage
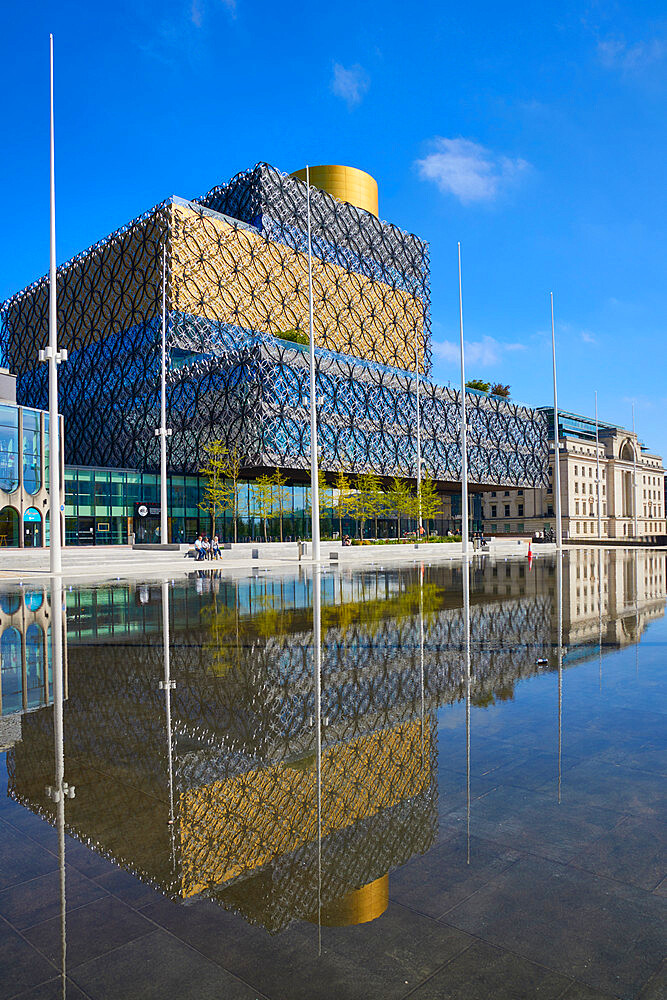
[401, 500]
[429, 499]
[342, 505]
[500, 390]
[325, 497]
[368, 499]
[264, 491]
[294, 336]
[281, 496]
[479, 384]
[219, 493]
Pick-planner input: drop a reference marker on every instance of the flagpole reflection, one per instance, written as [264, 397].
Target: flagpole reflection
[465, 569]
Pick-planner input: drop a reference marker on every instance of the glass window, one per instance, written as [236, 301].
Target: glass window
[34, 660]
[11, 671]
[10, 603]
[9, 448]
[32, 471]
[9, 526]
[34, 599]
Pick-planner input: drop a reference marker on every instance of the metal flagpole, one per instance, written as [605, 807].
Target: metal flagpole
[597, 458]
[600, 616]
[314, 476]
[466, 625]
[317, 666]
[163, 431]
[54, 358]
[60, 790]
[559, 585]
[634, 474]
[168, 686]
[559, 522]
[464, 432]
[419, 439]
[421, 656]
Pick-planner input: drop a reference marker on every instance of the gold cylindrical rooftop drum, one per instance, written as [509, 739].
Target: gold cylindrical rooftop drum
[356, 907]
[345, 183]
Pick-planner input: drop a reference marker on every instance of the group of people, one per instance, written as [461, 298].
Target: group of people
[207, 548]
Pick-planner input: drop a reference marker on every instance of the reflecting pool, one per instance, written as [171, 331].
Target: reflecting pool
[414, 781]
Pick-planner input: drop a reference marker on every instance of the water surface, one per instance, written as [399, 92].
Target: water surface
[459, 792]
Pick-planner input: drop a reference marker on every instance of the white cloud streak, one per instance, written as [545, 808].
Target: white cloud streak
[197, 10]
[468, 170]
[484, 353]
[616, 53]
[350, 84]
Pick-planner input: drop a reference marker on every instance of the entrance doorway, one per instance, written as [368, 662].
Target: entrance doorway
[32, 528]
[147, 522]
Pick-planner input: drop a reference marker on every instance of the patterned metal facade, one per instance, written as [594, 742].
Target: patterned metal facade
[237, 315]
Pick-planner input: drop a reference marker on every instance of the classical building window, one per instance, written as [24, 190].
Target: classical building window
[507, 510]
[520, 510]
[494, 512]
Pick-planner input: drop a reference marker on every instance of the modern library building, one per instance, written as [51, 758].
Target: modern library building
[227, 275]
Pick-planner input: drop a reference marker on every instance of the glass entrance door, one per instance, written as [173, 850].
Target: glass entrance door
[32, 528]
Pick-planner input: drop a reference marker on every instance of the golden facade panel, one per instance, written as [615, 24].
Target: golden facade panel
[231, 274]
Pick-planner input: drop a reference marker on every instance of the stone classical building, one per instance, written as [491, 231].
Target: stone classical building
[631, 485]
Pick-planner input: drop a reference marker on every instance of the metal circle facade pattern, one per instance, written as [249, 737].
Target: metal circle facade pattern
[237, 307]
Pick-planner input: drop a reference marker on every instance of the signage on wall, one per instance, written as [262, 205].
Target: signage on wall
[32, 514]
[143, 509]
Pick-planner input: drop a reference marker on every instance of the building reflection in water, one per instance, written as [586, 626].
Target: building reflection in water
[271, 743]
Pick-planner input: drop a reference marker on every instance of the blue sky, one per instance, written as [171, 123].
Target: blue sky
[532, 133]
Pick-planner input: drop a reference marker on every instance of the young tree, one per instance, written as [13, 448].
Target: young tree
[429, 499]
[368, 500]
[234, 466]
[281, 497]
[400, 499]
[342, 508]
[325, 497]
[222, 471]
[217, 493]
[264, 495]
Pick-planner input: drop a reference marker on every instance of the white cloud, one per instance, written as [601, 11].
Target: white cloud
[588, 337]
[616, 53]
[484, 353]
[197, 10]
[468, 170]
[350, 84]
